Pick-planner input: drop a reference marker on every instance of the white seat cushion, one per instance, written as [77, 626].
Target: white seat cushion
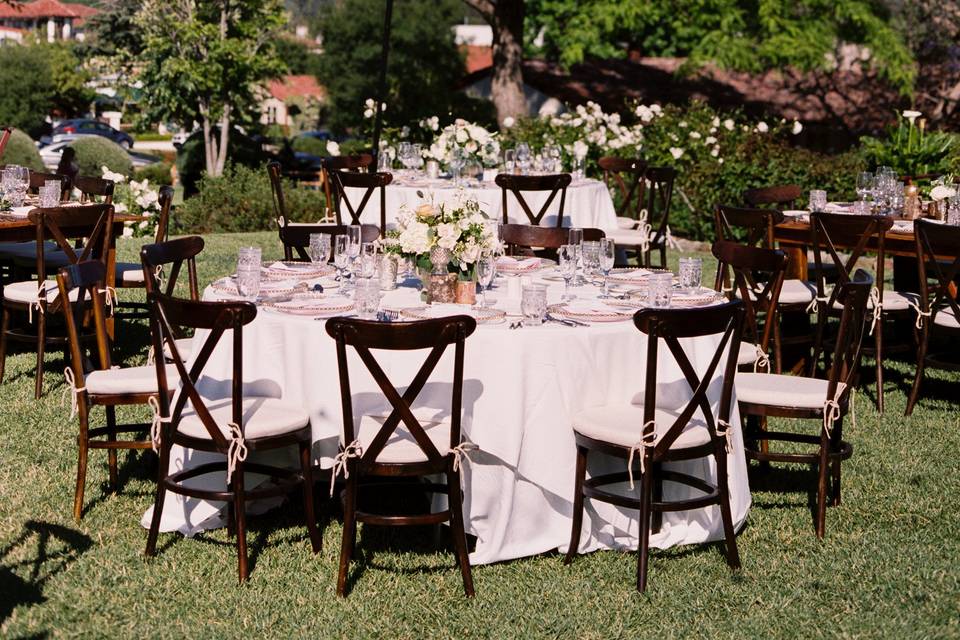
[401, 446]
[748, 353]
[184, 348]
[778, 390]
[626, 237]
[946, 318]
[892, 301]
[129, 274]
[797, 292]
[624, 222]
[262, 417]
[129, 380]
[10, 250]
[26, 292]
[622, 425]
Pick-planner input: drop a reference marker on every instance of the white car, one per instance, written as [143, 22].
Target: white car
[51, 153]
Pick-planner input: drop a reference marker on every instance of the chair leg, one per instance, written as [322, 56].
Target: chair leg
[82, 451]
[112, 453]
[162, 468]
[240, 513]
[643, 548]
[316, 540]
[878, 335]
[921, 365]
[723, 488]
[822, 472]
[455, 503]
[836, 441]
[3, 341]
[349, 532]
[581, 474]
[818, 339]
[656, 516]
[777, 344]
[41, 350]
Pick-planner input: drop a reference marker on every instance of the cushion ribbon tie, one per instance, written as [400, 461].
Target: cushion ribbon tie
[921, 314]
[877, 308]
[110, 301]
[460, 452]
[644, 227]
[158, 275]
[352, 450]
[41, 295]
[155, 424]
[726, 431]
[831, 410]
[762, 361]
[237, 451]
[647, 441]
[72, 389]
[816, 302]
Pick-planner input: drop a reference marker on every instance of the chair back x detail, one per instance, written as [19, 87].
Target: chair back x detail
[369, 182]
[517, 185]
[782, 196]
[526, 239]
[92, 223]
[626, 176]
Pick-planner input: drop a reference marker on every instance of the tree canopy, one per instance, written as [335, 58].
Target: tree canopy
[751, 35]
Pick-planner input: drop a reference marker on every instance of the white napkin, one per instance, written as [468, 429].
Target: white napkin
[21, 212]
[510, 262]
[833, 207]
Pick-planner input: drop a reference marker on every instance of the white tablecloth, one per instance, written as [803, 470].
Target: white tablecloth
[521, 389]
[588, 203]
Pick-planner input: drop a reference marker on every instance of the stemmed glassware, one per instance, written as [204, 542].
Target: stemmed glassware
[341, 258]
[575, 239]
[524, 158]
[509, 161]
[486, 271]
[567, 258]
[865, 183]
[319, 248]
[456, 162]
[607, 256]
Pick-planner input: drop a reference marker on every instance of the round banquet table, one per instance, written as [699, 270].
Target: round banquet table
[521, 389]
[588, 203]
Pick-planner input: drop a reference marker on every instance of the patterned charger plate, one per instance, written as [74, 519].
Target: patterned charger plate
[517, 267]
[704, 298]
[228, 286]
[632, 275]
[286, 270]
[316, 305]
[483, 315]
[613, 315]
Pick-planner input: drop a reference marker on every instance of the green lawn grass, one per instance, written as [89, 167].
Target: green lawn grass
[888, 567]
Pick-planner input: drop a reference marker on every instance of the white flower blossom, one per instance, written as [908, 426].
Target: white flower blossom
[728, 124]
[508, 122]
[695, 135]
[333, 148]
[762, 127]
[797, 128]
[710, 140]
[676, 152]
[911, 115]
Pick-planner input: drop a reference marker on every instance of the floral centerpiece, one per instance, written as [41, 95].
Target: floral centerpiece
[477, 144]
[135, 198]
[444, 244]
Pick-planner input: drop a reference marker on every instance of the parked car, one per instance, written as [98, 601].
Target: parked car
[87, 127]
[51, 153]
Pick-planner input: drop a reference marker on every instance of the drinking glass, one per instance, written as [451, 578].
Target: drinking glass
[366, 297]
[660, 290]
[818, 200]
[896, 199]
[50, 194]
[568, 256]
[248, 272]
[341, 257]
[456, 162]
[865, 182]
[383, 161]
[533, 304]
[509, 160]
[486, 271]
[319, 247]
[607, 255]
[368, 260]
[353, 240]
[17, 182]
[575, 239]
[416, 159]
[590, 252]
[524, 157]
[691, 273]
[579, 168]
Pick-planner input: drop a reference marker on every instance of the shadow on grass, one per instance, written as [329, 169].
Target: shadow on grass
[56, 548]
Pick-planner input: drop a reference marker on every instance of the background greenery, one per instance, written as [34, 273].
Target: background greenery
[95, 152]
[22, 150]
[886, 569]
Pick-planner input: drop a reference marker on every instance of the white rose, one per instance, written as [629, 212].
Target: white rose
[797, 128]
[762, 127]
[333, 148]
[942, 192]
[715, 152]
[728, 124]
[715, 122]
[462, 136]
[580, 149]
[508, 122]
[695, 135]
[127, 231]
[656, 108]
[368, 113]
[471, 147]
[710, 140]
[683, 124]
[676, 152]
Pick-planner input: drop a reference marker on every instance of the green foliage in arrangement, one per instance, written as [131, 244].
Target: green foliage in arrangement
[424, 65]
[95, 152]
[748, 36]
[22, 150]
[911, 150]
[241, 200]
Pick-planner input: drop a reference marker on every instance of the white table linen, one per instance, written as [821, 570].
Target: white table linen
[588, 203]
[521, 390]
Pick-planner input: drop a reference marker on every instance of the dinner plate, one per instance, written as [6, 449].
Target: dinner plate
[600, 312]
[288, 270]
[527, 265]
[483, 315]
[228, 286]
[316, 305]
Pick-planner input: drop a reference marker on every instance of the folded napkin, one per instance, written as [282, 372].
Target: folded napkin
[21, 212]
[509, 262]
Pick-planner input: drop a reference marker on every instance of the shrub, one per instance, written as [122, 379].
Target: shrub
[22, 150]
[191, 164]
[95, 152]
[241, 200]
[157, 173]
[313, 146]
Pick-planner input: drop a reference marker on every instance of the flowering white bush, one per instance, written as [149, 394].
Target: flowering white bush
[134, 198]
[476, 142]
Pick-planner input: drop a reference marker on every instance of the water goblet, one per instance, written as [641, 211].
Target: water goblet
[865, 183]
[691, 274]
[341, 258]
[660, 290]
[567, 258]
[607, 256]
[319, 247]
[533, 304]
[524, 158]
[509, 161]
[818, 200]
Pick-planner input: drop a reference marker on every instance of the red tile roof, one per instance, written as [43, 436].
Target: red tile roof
[478, 57]
[292, 86]
[46, 9]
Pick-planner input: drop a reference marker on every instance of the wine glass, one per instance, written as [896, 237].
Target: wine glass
[509, 160]
[524, 157]
[486, 270]
[607, 255]
[456, 161]
[416, 159]
[575, 239]
[865, 182]
[341, 257]
[368, 260]
[568, 256]
[319, 247]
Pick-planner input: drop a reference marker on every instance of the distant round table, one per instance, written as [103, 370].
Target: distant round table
[588, 203]
[521, 390]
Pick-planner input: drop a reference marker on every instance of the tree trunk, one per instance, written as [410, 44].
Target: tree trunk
[224, 139]
[506, 86]
[209, 146]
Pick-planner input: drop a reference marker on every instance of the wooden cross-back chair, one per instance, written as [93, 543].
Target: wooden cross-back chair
[518, 185]
[39, 178]
[855, 234]
[356, 163]
[296, 237]
[938, 262]
[690, 432]
[657, 199]
[40, 298]
[129, 275]
[525, 239]
[230, 427]
[348, 212]
[757, 279]
[94, 189]
[781, 196]
[829, 400]
[626, 176]
[95, 381]
[402, 445]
